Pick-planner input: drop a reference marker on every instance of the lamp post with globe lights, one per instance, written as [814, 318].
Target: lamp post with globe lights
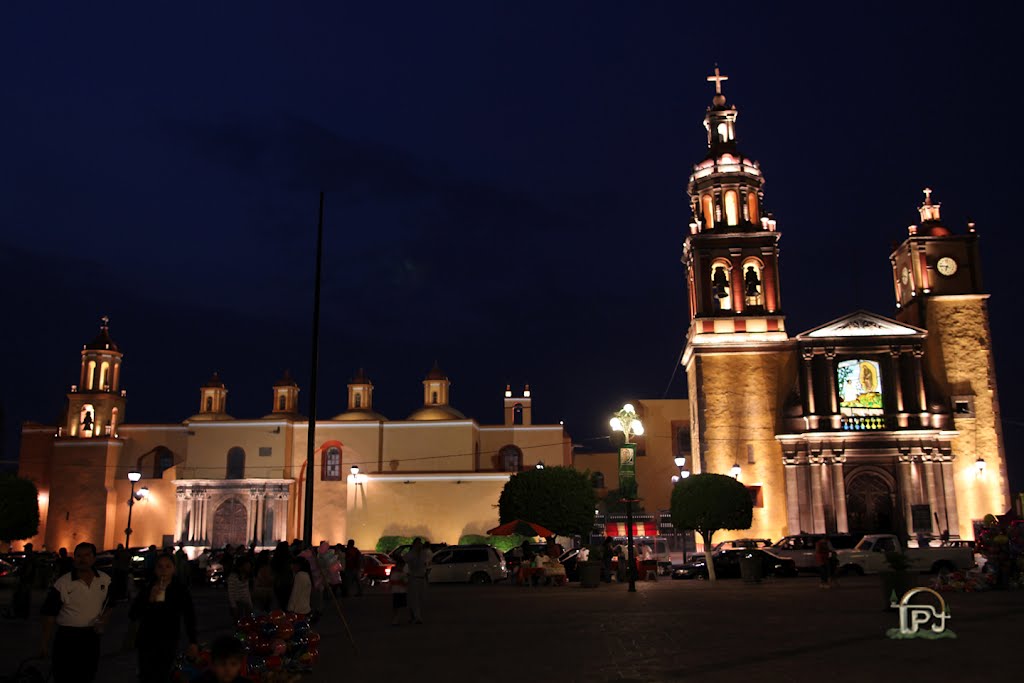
[134, 478]
[627, 422]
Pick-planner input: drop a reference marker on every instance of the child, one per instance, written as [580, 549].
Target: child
[226, 657]
[399, 582]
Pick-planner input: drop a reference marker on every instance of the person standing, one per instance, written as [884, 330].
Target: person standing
[79, 604]
[239, 597]
[159, 609]
[399, 585]
[122, 567]
[353, 567]
[607, 552]
[182, 567]
[21, 601]
[417, 562]
[281, 567]
[263, 584]
[302, 587]
[822, 557]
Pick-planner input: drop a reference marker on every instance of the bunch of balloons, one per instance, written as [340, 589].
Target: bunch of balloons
[278, 641]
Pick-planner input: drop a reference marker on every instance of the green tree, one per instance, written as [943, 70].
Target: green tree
[559, 498]
[19, 508]
[707, 503]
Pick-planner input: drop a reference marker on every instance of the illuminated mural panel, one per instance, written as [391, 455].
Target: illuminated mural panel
[860, 387]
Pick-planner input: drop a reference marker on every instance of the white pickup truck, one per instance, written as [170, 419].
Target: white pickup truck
[868, 557]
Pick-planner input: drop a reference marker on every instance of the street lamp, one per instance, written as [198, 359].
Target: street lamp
[980, 465]
[540, 465]
[735, 471]
[680, 462]
[627, 422]
[133, 477]
[354, 470]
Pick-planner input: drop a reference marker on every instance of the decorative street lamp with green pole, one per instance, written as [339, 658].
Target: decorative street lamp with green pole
[133, 477]
[627, 422]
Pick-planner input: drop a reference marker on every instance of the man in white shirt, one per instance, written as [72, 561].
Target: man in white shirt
[417, 562]
[79, 603]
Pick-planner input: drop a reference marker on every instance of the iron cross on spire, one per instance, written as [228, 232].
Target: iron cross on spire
[717, 78]
[927, 195]
[105, 320]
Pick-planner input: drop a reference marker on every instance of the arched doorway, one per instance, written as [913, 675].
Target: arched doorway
[229, 524]
[870, 502]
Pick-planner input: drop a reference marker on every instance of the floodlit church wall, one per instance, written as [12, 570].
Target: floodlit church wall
[153, 517]
[208, 446]
[654, 471]
[34, 463]
[539, 443]
[429, 446]
[439, 511]
[739, 396]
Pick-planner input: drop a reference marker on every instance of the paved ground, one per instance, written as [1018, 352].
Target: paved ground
[785, 630]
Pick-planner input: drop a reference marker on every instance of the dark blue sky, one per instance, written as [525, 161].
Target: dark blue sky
[506, 188]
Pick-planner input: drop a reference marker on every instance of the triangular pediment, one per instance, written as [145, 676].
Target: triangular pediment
[863, 324]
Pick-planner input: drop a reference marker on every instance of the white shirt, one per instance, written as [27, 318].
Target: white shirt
[81, 604]
[302, 587]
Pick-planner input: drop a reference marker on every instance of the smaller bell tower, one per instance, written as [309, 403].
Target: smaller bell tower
[213, 397]
[96, 404]
[286, 396]
[518, 409]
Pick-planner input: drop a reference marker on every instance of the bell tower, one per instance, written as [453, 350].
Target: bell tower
[731, 250]
[96, 403]
[937, 282]
[740, 364]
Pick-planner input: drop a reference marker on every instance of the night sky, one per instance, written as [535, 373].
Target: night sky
[505, 189]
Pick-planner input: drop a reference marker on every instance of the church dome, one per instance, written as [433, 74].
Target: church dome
[436, 372]
[358, 414]
[437, 412]
[103, 341]
[286, 380]
[215, 382]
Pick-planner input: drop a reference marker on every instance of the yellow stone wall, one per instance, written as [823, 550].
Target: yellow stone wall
[961, 363]
[737, 396]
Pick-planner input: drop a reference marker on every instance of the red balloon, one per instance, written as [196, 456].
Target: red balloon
[278, 647]
[274, 662]
[246, 623]
[314, 655]
[277, 615]
[285, 631]
[313, 638]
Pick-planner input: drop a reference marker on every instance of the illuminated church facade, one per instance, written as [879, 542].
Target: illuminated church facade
[867, 423]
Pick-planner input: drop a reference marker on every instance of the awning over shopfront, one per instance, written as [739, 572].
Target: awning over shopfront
[640, 529]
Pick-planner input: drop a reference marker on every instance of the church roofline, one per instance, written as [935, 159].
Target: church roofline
[862, 323]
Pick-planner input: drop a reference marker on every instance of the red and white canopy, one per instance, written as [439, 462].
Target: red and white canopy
[640, 529]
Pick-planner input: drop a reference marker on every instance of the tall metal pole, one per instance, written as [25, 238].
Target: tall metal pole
[307, 522]
[128, 529]
[629, 539]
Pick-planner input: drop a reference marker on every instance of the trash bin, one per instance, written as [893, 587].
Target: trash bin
[590, 574]
[750, 568]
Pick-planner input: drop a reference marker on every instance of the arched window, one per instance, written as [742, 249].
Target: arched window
[86, 421]
[597, 480]
[721, 285]
[433, 398]
[281, 402]
[113, 422]
[732, 208]
[517, 414]
[359, 401]
[332, 464]
[510, 458]
[209, 404]
[90, 375]
[104, 375]
[157, 461]
[708, 208]
[236, 463]
[753, 283]
[752, 211]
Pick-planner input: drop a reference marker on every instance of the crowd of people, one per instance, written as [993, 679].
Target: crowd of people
[81, 598]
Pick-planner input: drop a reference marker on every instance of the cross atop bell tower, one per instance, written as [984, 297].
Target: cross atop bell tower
[717, 78]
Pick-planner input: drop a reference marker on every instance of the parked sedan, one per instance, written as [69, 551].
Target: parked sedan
[727, 565]
[374, 571]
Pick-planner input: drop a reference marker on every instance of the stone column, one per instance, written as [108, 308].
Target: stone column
[179, 516]
[792, 496]
[817, 500]
[949, 487]
[192, 519]
[922, 399]
[906, 491]
[894, 368]
[839, 494]
[808, 357]
[830, 355]
[933, 494]
[204, 502]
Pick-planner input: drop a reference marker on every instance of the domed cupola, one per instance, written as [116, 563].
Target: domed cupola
[725, 187]
[360, 400]
[436, 387]
[286, 398]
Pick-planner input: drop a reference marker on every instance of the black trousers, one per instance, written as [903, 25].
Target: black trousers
[76, 654]
[156, 659]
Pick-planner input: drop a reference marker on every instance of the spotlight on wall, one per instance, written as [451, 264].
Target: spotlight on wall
[675, 479]
[735, 471]
[141, 493]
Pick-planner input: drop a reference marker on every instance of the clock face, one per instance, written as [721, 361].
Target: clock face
[905, 275]
[946, 266]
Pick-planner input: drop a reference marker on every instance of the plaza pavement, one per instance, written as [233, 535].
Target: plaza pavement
[779, 630]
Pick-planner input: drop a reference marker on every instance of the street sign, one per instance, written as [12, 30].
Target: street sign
[627, 470]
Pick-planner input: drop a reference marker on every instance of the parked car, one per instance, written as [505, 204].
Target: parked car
[404, 548]
[375, 571]
[727, 564]
[383, 558]
[869, 557]
[467, 564]
[800, 548]
[8, 574]
[743, 543]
